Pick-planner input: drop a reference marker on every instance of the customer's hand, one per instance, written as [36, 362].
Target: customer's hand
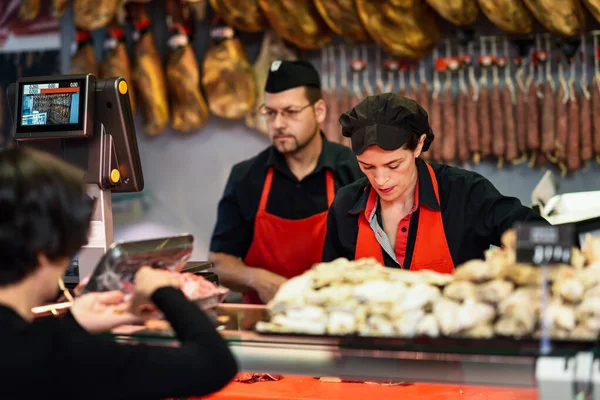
[101, 312]
[147, 281]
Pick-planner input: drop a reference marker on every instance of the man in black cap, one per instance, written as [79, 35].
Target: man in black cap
[272, 218]
[407, 213]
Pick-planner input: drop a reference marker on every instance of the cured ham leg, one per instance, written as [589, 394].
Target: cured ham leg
[189, 111]
[148, 74]
[84, 59]
[115, 61]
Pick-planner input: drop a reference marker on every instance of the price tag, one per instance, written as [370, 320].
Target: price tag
[540, 244]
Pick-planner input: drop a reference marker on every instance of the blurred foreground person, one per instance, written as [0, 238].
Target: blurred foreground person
[44, 220]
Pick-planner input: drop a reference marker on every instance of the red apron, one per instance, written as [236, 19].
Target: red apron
[431, 248]
[284, 246]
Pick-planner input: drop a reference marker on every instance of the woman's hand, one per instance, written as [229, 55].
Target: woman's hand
[147, 281]
[101, 312]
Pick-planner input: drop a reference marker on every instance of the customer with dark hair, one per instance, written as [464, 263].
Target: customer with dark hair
[44, 221]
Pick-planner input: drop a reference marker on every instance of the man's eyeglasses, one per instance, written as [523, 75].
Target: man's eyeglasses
[288, 113]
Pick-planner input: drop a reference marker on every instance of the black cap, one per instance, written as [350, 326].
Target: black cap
[386, 120]
[284, 75]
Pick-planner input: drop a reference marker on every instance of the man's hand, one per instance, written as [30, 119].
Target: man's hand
[265, 283]
[101, 312]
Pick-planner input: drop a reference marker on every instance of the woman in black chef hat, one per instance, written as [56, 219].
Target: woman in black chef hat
[407, 213]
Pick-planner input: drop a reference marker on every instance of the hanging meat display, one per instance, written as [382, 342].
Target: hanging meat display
[83, 60]
[534, 138]
[333, 111]
[367, 88]
[189, 111]
[574, 142]
[436, 113]
[461, 12]
[594, 7]
[402, 79]
[406, 29]
[533, 113]
[272, 49]
[326, 93]
[29, 9]
[448, 149]
[548, 122]
[497, 112]
[379, 85]
[462, 106]
[473, 125]
[298, 22]
[424, 101]
[585, 116]
[341, 16]
[115, 61]
[564, 18]
[485, 135]
[58, 7]
[227, 76]
[412, 83]
[244, 15]
[508, 107]
[562, 118]
[512, 16]
[93, 14]
[344, 99]
[148, 74]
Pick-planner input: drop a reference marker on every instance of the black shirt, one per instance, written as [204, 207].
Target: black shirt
[289, 198]
[55, 358]
[474, 214]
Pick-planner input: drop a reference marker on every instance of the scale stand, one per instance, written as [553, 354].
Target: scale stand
[100, 236]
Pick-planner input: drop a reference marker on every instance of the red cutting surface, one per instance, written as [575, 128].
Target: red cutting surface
[305, 388]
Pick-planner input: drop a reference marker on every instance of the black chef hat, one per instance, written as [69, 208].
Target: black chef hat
[284, 75]
[386, 120]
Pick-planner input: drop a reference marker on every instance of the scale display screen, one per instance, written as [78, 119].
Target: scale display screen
[55, 103]
[54, 108]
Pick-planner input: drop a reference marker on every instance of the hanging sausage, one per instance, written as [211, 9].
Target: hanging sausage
[424, 101]
[585, 117]
[448, 153]
[484, 104]
[435, 116]
[497, 114]
[508, 107]
[473, 125]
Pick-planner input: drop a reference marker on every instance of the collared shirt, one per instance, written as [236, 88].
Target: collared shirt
[474, 214]
[397, 250]
[289, 198]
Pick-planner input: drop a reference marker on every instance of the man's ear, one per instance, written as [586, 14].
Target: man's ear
[320, 111]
